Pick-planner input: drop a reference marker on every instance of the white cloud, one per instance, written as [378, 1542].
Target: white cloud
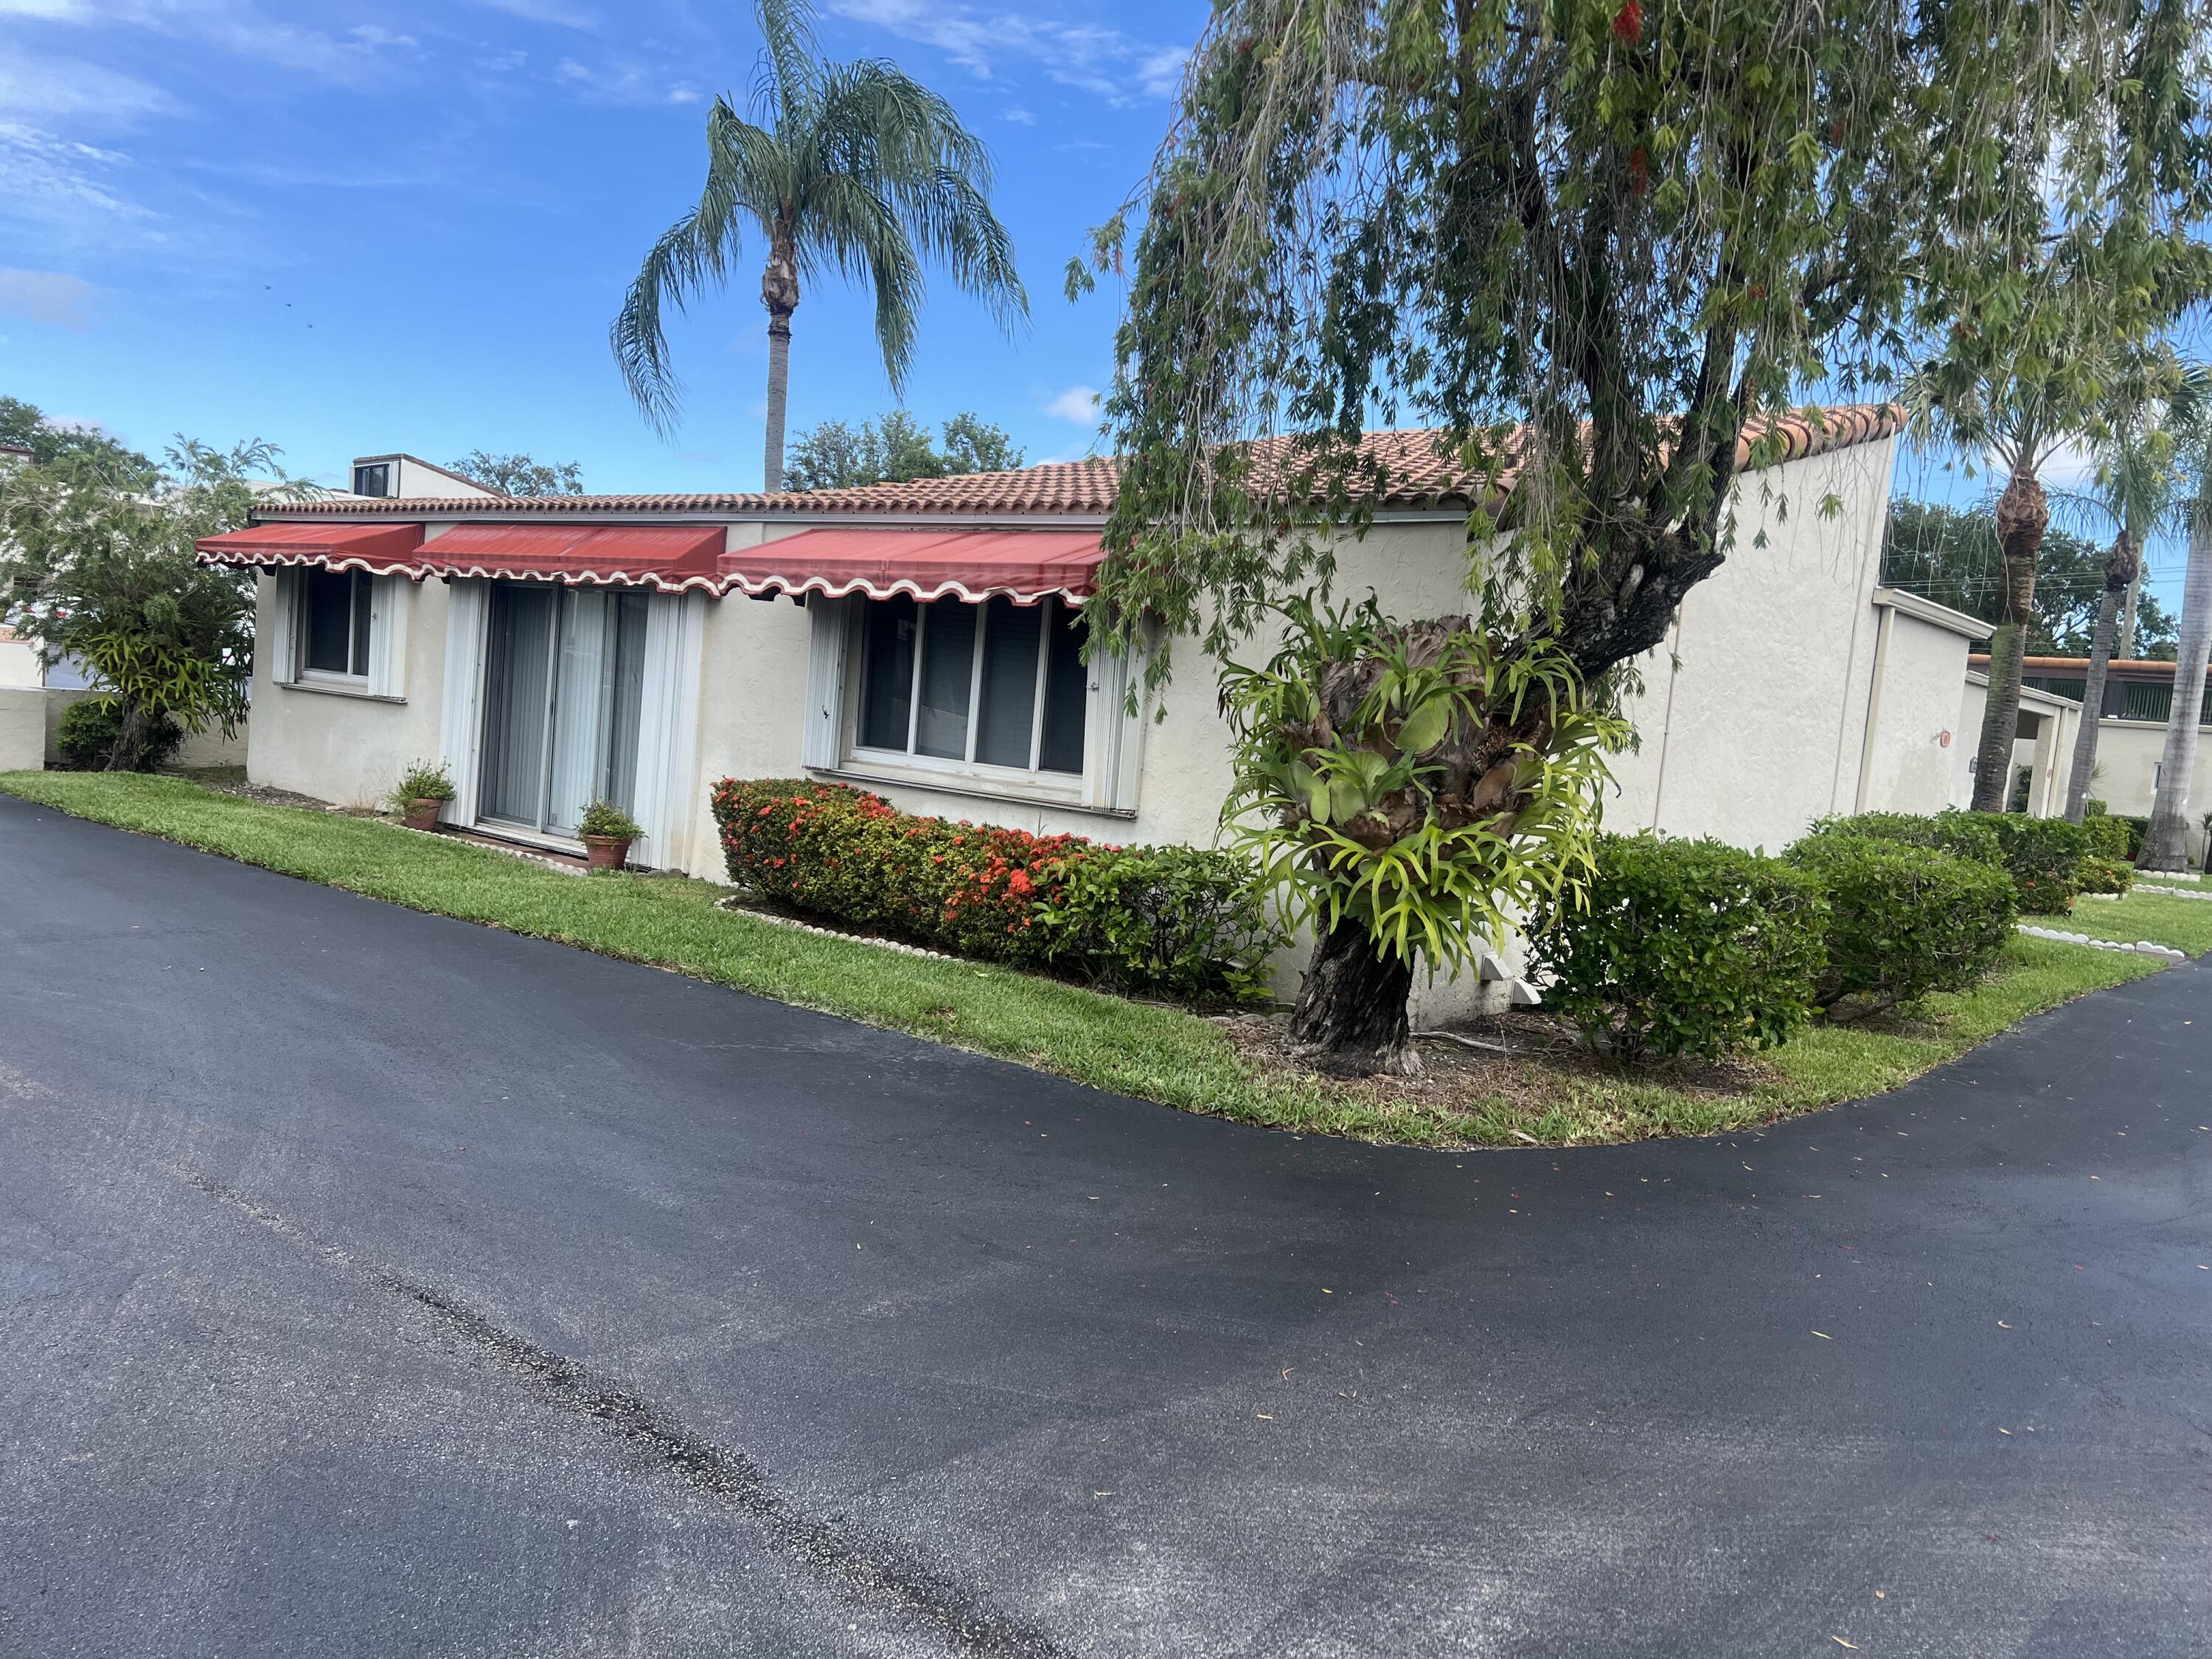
[1079, 404]
[373, 36]
[54, 297]
[1091, 57]
[65, 87]
[631, 84]
[1018, 115]
[48, 11]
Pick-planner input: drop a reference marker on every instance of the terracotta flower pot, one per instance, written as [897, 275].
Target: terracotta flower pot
[422, 813]
[606, 852]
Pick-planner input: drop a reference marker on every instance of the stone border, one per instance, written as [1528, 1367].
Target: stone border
[735, 904]
[2173, 893]
[2142, 947]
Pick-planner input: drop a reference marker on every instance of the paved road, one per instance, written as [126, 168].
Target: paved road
[376, 1284]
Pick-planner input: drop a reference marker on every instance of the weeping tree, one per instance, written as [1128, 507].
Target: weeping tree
[96, 563]
[2135, 489]
[1592, 248]
[855, 169]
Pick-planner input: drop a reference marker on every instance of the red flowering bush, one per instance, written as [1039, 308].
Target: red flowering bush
[1174, 919]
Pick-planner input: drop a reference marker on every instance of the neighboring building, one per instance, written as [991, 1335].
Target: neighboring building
[2042, 749]
[409, 477]
[921, 639]
[2131, 728]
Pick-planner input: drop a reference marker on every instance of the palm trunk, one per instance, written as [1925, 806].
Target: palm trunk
[1351, 1018]
[2023, 516]
[2167, 845]
[779, 293]
[2120, 572]
[778, 391]
[2124, 647]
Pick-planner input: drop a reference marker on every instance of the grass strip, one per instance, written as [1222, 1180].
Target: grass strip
[2183, 924]
[1159, 1054]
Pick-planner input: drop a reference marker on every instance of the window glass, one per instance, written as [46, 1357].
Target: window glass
[1066, 685]
[887, 674]
[373, 480]
[948, 665]
[329, 622]
[1008, 717]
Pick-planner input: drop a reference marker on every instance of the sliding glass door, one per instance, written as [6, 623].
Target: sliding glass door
[564, 672]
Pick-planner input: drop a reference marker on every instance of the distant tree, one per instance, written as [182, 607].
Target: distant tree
[103, 571]
[859, 169]
[2166, 847]
[836, 455]
[1951, 554]
[25, 424]
[518, 476]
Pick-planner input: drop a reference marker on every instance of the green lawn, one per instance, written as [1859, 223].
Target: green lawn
[1158, 1054]
[2184, 924]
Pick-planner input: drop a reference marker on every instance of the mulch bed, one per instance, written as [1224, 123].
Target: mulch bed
[1527, 1057]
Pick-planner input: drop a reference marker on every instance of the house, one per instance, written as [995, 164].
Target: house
[923, 640]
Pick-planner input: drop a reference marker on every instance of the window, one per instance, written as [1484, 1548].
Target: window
[2146, 701]
[334, 623]
[375, 480]
[996, 684]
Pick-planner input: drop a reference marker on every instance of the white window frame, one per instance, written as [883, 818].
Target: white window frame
[385, 648]
[1112, 740]
[356, 649]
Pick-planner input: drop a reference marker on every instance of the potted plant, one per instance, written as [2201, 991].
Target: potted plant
[422, 794]
[607, 832]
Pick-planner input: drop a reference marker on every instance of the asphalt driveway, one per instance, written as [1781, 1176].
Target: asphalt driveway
[376, 1285]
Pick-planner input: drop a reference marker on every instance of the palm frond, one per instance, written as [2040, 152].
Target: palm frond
[851, 227]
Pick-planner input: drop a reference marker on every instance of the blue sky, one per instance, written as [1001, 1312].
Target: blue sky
[349, 229]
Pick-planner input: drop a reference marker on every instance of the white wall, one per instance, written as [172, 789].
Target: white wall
[1909, 765]
[2047, 752]
[338, 745]
[23, 728]
[19, 664]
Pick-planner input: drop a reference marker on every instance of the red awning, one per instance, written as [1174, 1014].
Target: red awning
[670, 557]
[383, 549]
[1026, 565]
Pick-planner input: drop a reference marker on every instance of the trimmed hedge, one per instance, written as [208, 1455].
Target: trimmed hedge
[2101, 874]
[2113, 837]
[2042, 855]
[1960, 834]
[1903, 921]
[1177, 920]
[1685, 947]
[90, 728]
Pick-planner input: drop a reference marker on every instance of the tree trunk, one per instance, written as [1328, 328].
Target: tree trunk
[779, 293]
[2123, 648]
[2166, 846]
[1350, 1017]
[2120, 573]
[2023, 516]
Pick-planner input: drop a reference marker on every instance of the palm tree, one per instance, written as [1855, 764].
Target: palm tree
[2167, 845]
[2134, 490]
[859, 169]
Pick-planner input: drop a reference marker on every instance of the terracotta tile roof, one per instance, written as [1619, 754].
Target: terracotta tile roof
[2072, 666]
[1418, 474]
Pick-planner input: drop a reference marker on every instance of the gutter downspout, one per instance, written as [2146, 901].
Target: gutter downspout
[1874, 708]
[1667, 719]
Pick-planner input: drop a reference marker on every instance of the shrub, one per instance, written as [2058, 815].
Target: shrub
[1191, 926]
[1685, 947]
[2044, 856]
[1183, 920]
[1903, 920]
[603, 817]
[1957, 833]
[2110, 837]
[2101, 874]
[424, 780]
[92, 727]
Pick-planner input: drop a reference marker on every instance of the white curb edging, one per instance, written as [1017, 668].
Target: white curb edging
[2173, 893]
[2142, 947]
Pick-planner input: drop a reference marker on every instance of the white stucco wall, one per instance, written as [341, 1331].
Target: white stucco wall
[1913, 747]
[341, 746]
[19, 664]
[23, 728]
[2047, 751]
